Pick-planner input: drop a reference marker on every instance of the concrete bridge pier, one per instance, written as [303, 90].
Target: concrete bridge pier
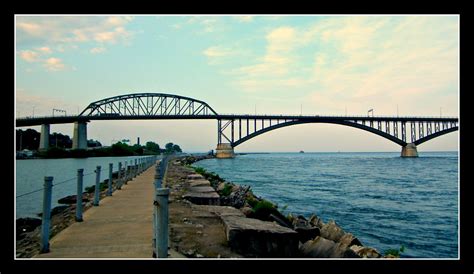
[224, 150]
[44, 137]
[79, 139]
[409, 150]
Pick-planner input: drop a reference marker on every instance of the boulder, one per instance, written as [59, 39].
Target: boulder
[365, 252]
[237, 198]
[349, 240]
[332, 231]
[324, 248]
[246, 210]
[256, 238]
[201, 189]
[307, 233]
[315, 221]
[25, 225]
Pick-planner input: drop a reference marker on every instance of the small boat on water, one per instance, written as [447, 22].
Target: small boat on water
[301, 151]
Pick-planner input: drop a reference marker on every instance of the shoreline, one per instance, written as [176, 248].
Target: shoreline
[310, 237]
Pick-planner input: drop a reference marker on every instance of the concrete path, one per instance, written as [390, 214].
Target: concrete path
[120, 227]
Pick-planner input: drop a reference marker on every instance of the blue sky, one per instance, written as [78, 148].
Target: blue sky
[274, 64]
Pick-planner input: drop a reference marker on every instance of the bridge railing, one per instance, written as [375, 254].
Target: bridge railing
[337, 116]
[123, 175]
[160, 211]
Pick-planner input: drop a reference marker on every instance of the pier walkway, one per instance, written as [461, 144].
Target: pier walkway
[120, 227]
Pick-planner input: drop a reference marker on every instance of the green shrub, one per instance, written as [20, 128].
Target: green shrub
[227, 190]
[395, 252]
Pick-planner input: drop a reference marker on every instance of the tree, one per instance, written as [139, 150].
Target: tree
[169, 147]
[176, 148]
[152, 146]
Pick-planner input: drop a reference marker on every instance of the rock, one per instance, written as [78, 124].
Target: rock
[279, 221]
[71, 199]
[218, 210]
[324, 248]
[221, 186]
[56, 210]
[25, 225]
[332, 231]
[237, 198]
[246, 210]
[365, 252]
[307, 233]
[349, 240]
[315, 221]
[256, 238]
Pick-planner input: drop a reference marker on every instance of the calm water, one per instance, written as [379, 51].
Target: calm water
[384, 200]
[30, 177]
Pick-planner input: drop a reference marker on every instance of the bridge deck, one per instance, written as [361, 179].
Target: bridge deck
[120, 227]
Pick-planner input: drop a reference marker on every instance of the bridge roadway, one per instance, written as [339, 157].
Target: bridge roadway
[36, 121]
[120, 227]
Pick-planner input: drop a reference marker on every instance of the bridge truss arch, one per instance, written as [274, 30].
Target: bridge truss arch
[148, 104]
[400, 131]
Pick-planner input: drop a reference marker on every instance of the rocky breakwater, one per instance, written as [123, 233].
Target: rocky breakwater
[263, 231]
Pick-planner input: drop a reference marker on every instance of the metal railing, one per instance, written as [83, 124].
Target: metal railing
[160, 211]
[123, 176]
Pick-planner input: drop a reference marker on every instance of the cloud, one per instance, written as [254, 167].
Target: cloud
[216, 52]
[359, 61]
[54, 64]
[51, 30]
[45, 50]
[244, 19]
[97, 50]
[29, 55]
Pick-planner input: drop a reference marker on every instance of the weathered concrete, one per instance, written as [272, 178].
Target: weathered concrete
[332, 231]
[224, 151]
[202, 198]
[256, 238]
[121, 227]
[79, 139]
[409, 150]
[218, 210]
[196, 183]
[201, 189]
[44, 137]
[195, 177]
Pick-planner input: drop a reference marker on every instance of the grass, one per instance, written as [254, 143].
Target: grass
[395, 252]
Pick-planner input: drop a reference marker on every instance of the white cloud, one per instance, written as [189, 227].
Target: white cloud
[29, 55]
[54, 64]
[45, 50]
[216, 52]
[97, 50]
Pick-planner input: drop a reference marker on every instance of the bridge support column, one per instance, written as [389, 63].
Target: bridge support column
[224, 150]
[79, 139]
[44, 137]
[409, 150]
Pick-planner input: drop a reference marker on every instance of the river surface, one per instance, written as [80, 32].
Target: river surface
[29, 176]
[384, 200]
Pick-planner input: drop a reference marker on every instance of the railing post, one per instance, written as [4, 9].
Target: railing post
[135, 169]
[97, 186]
[158, 176]
[80, 176]
[161, 207]
[126, 173]
[46, 218]
[109, 190]
[119, 179]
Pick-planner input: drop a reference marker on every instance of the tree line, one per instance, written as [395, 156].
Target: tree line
[59, 147]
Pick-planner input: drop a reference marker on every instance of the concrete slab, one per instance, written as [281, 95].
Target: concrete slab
[199, 182]
[194, 176]
[201, 189]
[203, 198]
[256, 238]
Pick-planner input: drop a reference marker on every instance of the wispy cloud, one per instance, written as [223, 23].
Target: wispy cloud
[54, 64]
[29, 55]
[97, 50]
[358, 59]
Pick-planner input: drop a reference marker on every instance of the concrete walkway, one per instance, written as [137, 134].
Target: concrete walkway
[120, 227]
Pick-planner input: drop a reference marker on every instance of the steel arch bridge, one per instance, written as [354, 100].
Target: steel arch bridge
[420, 129]
[147, 104]
[235, 129]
